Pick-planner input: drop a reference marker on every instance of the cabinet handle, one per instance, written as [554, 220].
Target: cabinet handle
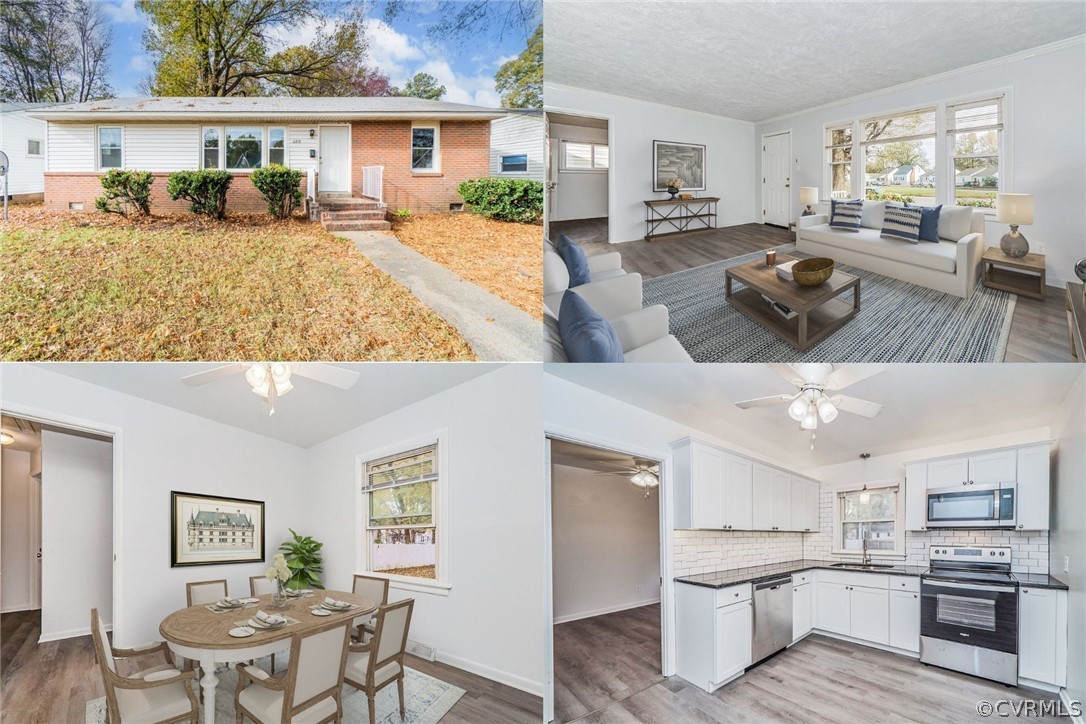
[914, 595]
[737, 595]
[1021, 525]
[964, 482]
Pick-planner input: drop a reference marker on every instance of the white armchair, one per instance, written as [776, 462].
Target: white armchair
[614, 292]
[157, 695]
[643, 333]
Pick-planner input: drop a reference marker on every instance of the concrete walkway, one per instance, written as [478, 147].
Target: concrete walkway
[512, 335]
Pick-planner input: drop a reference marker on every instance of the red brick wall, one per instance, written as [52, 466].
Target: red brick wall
[465, 153]
[65, 187]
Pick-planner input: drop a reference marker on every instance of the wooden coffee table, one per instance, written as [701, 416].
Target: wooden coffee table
[818, 311]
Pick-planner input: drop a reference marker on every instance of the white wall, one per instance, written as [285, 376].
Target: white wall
[1048, 147]
[76, 533]
[1068, 535]
[606, 544]
[16, 128]
[489, 621]
[515, 134]
[579, 194]
[634, 125]
[15, 530]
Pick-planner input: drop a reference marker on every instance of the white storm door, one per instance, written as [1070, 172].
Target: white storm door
[776, 178]
[335, 160]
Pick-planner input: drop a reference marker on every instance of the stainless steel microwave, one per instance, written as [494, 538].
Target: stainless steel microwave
[973, 506]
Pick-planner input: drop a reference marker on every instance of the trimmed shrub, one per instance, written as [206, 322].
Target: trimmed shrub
[205, 190]
[403, 214]
[888, 196]
[505, 199]
[279, 187]
[126, 192]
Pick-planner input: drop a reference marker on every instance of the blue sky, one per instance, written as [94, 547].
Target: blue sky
[400, 50]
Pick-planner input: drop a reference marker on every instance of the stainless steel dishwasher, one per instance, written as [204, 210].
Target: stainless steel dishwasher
[772, 617]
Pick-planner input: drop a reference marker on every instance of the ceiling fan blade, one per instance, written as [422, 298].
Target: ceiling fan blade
[763, 401]
[217, 373]
[847, 375]
[786, 373]
[327, 374]
[856, 406]
[615, 472]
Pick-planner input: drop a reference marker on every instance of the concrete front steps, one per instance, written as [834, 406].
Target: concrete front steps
[342, 213]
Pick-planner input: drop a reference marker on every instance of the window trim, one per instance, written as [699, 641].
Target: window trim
[267, 151]
[222, 147]
[436, 168]
[899, 519]
[263, 148]
[1002, 142]
[441, 585]
[41, 148]
[562, 168]
[501, 163]
[98, 147]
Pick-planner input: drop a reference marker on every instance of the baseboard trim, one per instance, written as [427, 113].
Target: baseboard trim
[1065, 698]
[17, 608]
[603, 611]
[862, 642]
[69, 634]
[488, 672]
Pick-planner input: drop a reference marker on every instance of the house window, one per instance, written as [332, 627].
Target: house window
[584, 156]
[33, 147]
[110, 151]
[424, 148]
[898, 152]
[873, 513]
[400, 502]
[244, 148]
[839, 158]
[975, 143]
[277, 144]
[515, 164]
[211, 148]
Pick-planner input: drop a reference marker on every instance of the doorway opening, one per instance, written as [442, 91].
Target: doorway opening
[606, 577]
[578, 178]
[777, 179]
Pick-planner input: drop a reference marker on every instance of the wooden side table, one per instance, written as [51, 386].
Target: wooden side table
[1076, 320]
[1025, 276]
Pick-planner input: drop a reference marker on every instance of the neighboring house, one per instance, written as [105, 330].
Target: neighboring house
[976, 176]
[928, 179]
[906, 175]
[517, 145]
[23, 138]
[409, 153]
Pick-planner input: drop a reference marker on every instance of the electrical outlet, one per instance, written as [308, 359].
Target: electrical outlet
[1067, 564]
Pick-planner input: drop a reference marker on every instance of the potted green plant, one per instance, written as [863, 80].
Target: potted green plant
[304, 561]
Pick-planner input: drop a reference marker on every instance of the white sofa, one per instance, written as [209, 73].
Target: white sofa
[952, 265]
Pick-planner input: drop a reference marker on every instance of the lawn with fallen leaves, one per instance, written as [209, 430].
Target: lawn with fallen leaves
[504, 258]
[91, 286]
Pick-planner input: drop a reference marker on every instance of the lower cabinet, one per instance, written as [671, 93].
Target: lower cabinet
[870, 614]
[1042, 635]
[733, 636]
[802, 613]
[713, 633]
[833, 603]
[905, 620]
[844, 606]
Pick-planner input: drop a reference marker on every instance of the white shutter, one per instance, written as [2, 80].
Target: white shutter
[413, 466]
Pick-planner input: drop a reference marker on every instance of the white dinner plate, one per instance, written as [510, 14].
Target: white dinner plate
[241, 632]
[321, 612]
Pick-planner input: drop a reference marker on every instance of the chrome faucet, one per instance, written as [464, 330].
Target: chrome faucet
[867, 554]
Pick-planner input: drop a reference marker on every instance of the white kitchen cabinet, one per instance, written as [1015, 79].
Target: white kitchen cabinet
[905, 620]
[1042, 635]
[733, 639]
[916, 496]
[782, 501]
[950, 471]
[737, 492]
[713, 630]
[832, 604]
[869, 614]
[699, 489]
[1033, 487]
[802, 615]
[804, 504]
[762, 498]
[998, 466]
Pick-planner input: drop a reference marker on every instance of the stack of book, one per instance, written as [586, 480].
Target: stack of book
[784, 270]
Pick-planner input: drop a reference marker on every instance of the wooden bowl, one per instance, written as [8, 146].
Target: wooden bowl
[812, 272]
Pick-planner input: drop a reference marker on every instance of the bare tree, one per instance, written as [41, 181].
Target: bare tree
[463, 19]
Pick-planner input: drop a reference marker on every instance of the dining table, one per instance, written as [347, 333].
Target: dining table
[199, 634]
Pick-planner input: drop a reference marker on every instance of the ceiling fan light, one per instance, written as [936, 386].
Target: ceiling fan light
[283, 387]
[826, 410]
[644, 479]
[6, 438]
[810, 420]
[256, 375]
[798, 408]
[280, 372]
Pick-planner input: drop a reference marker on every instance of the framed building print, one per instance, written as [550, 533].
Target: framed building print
[209, 530]
[678, 160]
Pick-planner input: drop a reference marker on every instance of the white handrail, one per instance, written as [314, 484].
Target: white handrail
[373, 182]
[311, 183]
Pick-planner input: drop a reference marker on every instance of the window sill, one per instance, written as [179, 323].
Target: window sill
[416, 585]
[583, 170]
[436, 174]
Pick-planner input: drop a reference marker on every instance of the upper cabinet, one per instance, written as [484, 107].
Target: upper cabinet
[1033, 487]
[717, 489]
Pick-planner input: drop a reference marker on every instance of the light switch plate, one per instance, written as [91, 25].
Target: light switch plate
[1067, 564]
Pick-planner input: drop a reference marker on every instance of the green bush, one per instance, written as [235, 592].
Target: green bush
[126, 192]
[403, 213]
[888, 196]
[976, 203]
[205, 190]
[279, 187]
[504, 199]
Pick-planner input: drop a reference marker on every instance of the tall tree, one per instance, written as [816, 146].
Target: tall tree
[423, 85]
[520, 81]
[53, 51]
[463, 20]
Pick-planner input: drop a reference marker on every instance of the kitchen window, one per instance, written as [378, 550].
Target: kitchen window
[584, 156]
[110, 147]
[277, 145]
[517, 163]
[424, 148]
[244, 148]
[975, 143]
[874, 512]
[210, 156]
[33, 147]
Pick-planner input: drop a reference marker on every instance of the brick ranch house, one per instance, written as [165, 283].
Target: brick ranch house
[362, 156]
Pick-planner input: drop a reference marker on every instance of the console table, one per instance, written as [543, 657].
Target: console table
[1076, 320]
[679, 216]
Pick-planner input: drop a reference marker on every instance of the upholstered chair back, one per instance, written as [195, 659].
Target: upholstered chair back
[320, 660]
[393, 622]
[372, 588]
[101, 643]
[260, 585]
[202, 592]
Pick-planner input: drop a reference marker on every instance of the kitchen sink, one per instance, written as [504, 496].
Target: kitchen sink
[863, 565]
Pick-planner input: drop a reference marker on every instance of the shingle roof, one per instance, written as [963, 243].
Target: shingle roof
[216, 517]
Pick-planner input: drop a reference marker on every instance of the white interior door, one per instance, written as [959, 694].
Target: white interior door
[548, 590]
[776, 178]
[335, 160]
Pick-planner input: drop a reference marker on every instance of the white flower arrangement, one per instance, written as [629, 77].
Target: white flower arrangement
[278, 569]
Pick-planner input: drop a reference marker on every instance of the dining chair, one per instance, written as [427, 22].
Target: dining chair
[374, 589]
[310, 688]
[201, 592]
[157, 695]
[260, 586]
[377, 663]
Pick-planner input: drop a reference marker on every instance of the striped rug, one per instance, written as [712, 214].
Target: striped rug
[897, 321]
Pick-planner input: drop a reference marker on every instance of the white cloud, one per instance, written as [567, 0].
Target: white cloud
[391, 51]
[140, 63]
[122, 11]
[477, 89]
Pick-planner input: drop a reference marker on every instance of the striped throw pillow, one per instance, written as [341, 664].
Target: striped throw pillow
[846, 215]
[902, 224]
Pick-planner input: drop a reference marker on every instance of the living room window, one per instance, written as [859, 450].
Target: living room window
[839, 158]
[975, 143]
[899, 157]
[873, 512]
[211, 148]
[584, 156]
[244, 148]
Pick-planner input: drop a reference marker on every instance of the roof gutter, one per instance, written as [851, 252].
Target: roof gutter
[111, 115]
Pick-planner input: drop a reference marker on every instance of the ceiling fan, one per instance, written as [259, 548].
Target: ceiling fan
[643, 474]
[816, 399]
[271, 380]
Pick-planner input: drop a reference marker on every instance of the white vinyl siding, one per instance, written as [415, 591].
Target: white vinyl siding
[158, 147]
[71, 147]
[517, 135]
[299, 144]
[17, 130]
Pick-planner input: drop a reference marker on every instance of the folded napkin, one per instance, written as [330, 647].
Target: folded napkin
[334, 603]
[269, 618]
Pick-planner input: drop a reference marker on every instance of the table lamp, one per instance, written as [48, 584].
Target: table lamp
[1014, 209]
[808, 195]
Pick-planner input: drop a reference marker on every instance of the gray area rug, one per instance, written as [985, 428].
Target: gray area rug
[897, 321]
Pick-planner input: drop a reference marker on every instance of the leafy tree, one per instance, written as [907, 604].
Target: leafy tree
[520, 81]
[465, 19]
[895, 154]
[53, 51]
[423, 85]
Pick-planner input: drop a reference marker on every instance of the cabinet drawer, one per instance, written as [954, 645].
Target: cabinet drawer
[733, 594]
[851, 578]
[905, 583]
[801, 578]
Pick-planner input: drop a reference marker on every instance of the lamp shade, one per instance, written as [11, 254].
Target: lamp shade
[1014, 208]
[808, 195]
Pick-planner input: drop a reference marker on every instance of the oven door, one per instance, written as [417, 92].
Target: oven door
[975, 614]
[971, 507]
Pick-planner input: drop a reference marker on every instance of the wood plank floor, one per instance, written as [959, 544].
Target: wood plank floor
[1038, 328]
[51, 683]
[821, 679]
[604, 659]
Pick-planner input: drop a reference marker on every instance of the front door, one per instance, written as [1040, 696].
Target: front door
[335, 160]
[776, 178]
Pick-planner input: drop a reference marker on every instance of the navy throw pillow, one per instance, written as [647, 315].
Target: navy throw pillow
[846, 215]
[586, 336]
[929, 221]
[576, 261]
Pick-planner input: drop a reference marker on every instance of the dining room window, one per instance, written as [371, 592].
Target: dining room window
[211, 148]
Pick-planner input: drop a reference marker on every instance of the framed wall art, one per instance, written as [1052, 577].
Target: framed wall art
[678, 160]
[210, 530]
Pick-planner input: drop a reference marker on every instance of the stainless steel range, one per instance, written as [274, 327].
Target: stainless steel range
[969, 612]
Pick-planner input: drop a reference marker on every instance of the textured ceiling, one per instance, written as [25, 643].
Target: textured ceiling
[758, 60]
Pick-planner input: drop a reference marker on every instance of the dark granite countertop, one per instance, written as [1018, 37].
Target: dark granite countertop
[1040, 580]
[757, 574]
